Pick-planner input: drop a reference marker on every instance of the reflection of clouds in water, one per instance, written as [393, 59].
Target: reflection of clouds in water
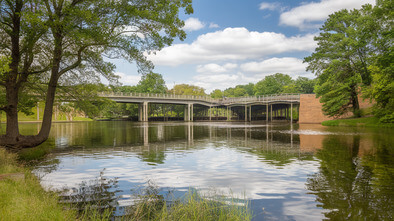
[220, 168]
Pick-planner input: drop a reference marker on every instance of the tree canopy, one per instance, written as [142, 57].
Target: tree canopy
[56, 42]
[186, 89]
[354, 54]
[272, 84]
[382, 67]
[152, 83]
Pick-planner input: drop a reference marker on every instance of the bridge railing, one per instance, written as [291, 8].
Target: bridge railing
[224, 101]
[262, 98]
[162, 96]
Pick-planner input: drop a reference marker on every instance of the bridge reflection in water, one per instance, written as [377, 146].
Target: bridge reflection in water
[304, 137]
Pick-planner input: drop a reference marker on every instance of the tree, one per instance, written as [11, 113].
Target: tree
[48, 41]
[341, 60]
[248, 88]
[272, 84]
[382, 68]
[305, 85]
[237, 91]
[152, 83]
[186, 89]
[217, 93]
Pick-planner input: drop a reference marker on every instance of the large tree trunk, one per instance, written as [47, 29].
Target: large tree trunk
[13, 140]
[11, 137]
[355, 103]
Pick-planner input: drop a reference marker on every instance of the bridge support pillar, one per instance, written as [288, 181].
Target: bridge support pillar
[246, 112]
[228, 113]
[291, 113]
[188, 112]
[191, 112]
[140, 113]
[143, 111]
[266, 112]
[271, 112]
[250, 113]
[210, 113]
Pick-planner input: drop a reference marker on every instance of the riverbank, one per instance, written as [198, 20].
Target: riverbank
[23, 198]
[357, 122]
[21, 195]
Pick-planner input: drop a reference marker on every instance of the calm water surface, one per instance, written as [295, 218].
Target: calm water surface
[299, 172]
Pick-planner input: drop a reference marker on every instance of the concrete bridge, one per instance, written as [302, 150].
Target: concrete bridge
[280, 105]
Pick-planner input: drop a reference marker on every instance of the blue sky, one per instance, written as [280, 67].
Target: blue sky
[231, 42]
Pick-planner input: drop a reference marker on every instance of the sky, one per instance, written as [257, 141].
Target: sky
[232, 42]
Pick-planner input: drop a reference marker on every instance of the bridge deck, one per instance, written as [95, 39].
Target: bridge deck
[202, 100]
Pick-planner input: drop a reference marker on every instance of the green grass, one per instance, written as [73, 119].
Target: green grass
[357, 122]
[24, 198]
[193, 206]
[32, 155]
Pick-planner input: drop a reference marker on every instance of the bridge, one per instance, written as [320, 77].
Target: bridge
[248, 108]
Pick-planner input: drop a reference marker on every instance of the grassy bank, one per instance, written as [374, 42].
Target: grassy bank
[357, 122]
[23, 198]
[22, 117]
[193, 206]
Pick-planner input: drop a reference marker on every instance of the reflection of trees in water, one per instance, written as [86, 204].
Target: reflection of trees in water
[270, 146]
[153, 156]
[352, 187]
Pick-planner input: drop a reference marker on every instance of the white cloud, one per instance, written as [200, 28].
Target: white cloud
[287, 65]
[274, 65]
[270, 6]
[193, 24]
[215, 68]
[213, 25]
[307, 15]
[128, 79]
[232, 44]
[220, 81]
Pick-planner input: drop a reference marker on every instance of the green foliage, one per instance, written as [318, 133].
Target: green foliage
[382, 69]
[186, 89]
[238, 91]
[217, 94]
[248, 88]
[4, 65]
[272, 84]
[124, 89]
[304, 85]
[341, 60]
[355, 51]
[61, 43]
[152, 83]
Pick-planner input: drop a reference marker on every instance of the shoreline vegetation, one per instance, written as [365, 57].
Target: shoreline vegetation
[23, 198]
[370, 121]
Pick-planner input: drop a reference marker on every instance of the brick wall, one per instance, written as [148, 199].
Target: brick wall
[311, 109]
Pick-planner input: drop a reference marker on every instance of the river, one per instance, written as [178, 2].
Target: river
[283, 171]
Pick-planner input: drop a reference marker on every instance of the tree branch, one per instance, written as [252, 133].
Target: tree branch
[77, 63]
